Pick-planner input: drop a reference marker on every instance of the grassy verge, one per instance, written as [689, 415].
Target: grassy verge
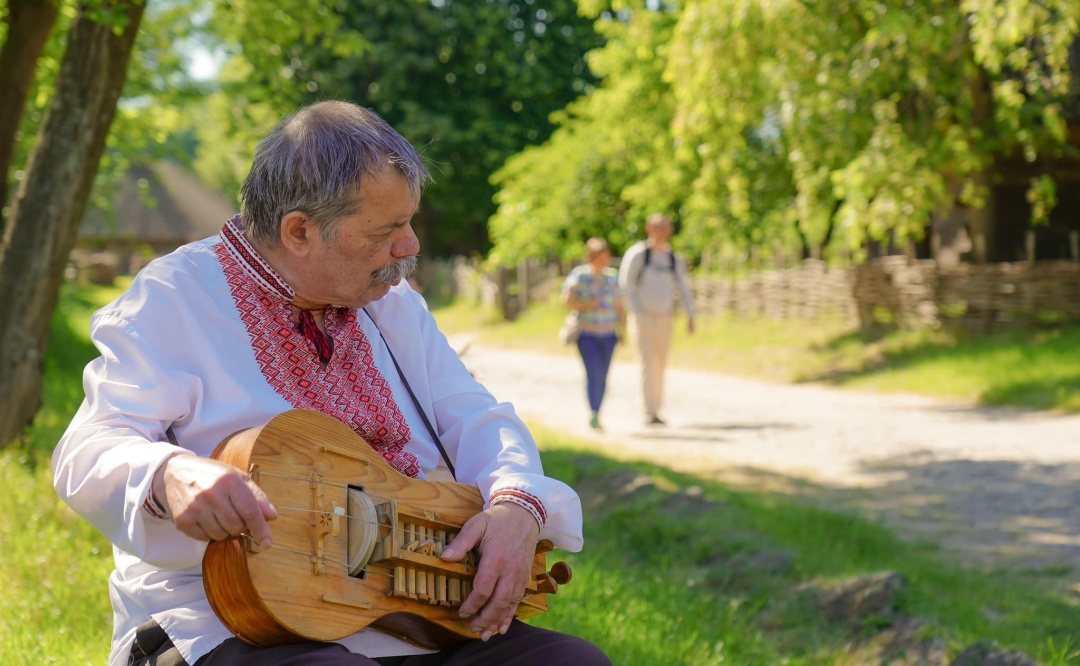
[677, 569]
[710, 575]
[1038, 369]
[54, 605]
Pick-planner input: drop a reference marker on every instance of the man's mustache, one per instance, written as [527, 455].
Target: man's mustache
[395, 271]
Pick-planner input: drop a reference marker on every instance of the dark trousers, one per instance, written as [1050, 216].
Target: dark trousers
[522, 645]
[596, 351]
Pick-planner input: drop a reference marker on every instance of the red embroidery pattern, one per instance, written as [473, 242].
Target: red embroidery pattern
[351, 388]
[524, 499]
[233, 236]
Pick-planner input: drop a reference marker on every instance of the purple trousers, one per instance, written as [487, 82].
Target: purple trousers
[522, 645]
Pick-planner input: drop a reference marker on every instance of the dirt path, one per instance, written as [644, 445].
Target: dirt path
[994, 486]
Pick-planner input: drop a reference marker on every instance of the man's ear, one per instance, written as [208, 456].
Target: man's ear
[297, 231]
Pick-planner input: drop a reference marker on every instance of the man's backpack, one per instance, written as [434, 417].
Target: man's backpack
[648, 256]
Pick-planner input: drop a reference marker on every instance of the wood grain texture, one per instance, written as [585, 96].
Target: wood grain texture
[300, 588]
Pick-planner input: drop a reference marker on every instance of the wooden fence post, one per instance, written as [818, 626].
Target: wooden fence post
[523, 285]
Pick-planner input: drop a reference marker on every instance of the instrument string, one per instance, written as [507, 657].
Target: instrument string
[319, 511]
[363, 520]
[378, 499]
[344, 565]
[344, 486]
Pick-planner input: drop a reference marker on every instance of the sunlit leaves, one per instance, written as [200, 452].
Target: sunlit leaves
[610, 162]
[273, 39]
[1042, 195]
[838, 122]
[468, 83]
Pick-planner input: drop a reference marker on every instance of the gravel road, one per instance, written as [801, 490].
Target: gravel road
[996, 487]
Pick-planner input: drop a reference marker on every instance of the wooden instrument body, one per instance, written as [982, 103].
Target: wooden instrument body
[301, 588]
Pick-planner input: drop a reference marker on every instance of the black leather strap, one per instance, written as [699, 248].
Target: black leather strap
[423, 415]
[152, 647]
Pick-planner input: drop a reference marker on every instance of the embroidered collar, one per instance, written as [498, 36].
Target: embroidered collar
[232, 236]
[267, 279]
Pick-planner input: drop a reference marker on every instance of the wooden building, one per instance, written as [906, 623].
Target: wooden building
[157, 209]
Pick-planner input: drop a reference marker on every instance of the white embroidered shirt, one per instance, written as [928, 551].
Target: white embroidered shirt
[201, 345]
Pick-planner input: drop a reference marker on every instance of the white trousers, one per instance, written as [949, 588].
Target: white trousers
[652, 333]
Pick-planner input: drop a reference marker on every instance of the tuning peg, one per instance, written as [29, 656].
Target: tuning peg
[560, 572]
[548, 583]
[545, 584]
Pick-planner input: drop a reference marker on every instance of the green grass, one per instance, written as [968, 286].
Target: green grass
[54, 605]
[1039, 369]
[678, 556]
[1035, 369]
[677, 568]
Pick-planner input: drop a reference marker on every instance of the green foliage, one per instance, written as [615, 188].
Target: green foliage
[270, 45]
[468, 83]
[53, 609]
[471, 83]
[165, 113]
[265, 75]
[593, 177]
[152, 115]
[812, 122]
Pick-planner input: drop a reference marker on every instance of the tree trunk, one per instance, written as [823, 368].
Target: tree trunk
[980, 219]
[52, 198]
[29, 23]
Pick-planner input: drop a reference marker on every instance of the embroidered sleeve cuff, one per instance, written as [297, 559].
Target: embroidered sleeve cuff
[154, 508]
[523, 499]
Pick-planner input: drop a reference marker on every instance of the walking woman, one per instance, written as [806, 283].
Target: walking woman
[592, 290]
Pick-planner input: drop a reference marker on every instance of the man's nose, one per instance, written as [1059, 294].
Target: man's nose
[407, 244]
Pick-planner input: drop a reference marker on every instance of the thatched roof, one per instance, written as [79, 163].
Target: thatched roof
[183, 209]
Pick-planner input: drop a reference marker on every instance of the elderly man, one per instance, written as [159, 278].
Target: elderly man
[300, 302]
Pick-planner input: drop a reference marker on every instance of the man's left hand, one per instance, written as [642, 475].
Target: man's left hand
[506, 536]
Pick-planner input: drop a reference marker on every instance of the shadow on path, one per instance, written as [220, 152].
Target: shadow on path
[988, 514]
[992, 487]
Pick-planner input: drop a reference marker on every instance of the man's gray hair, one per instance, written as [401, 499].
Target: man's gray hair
[313, 161]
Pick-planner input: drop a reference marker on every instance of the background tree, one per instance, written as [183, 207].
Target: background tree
[885, 112]
[51, 199]
[150, 124]
[815, 123]
[473, 83]
[587, 179]
[66, 158]
[262, 78]
[27, 24]
[470, 83]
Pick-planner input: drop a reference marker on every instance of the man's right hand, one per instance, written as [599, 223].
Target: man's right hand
[211, 500]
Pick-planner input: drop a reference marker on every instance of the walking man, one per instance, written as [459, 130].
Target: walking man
[649, 275]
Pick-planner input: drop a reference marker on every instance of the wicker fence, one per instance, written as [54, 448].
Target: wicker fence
[807, 291]
[902, 292]
[979, 298]
[891, 291]
[508, 290]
